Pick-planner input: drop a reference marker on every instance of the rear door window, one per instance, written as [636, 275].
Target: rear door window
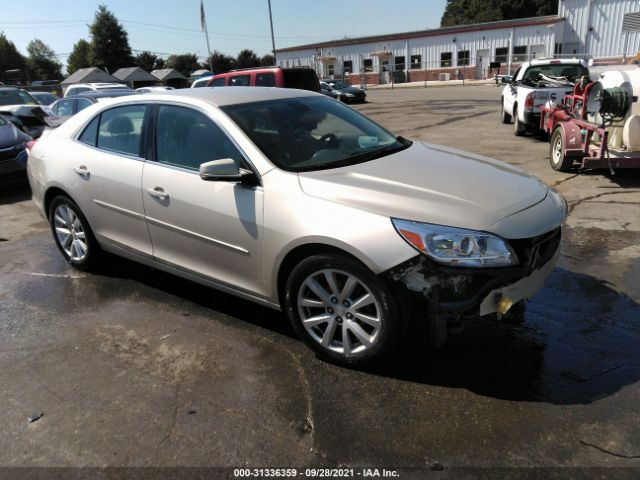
[82, 104]
[90, 133]
[240, 81]
[302, 78]
[265, 80]
[63, 108]
[121, 129]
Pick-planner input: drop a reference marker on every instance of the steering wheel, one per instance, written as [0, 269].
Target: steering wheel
[329, 140]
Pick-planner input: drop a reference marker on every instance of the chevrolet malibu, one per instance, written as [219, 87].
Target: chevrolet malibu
[297, 202]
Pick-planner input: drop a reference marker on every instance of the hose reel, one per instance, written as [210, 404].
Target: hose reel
[610, 103]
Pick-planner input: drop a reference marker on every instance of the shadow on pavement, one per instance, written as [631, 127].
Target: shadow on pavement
[14, 192]
[578, 342]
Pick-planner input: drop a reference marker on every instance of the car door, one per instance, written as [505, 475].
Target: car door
[211, 228]
[108, 163]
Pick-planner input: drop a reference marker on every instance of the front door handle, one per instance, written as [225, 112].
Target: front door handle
[158, 192]
[82, 170]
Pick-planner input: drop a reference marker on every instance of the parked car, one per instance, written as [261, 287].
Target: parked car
[302, 78]
[68, 106]
[77, 88]
[44, 98]
[21, 109]
[295, 201]
[201, 82]
[343, 92]
[533, 85]
[13, 154]
[153, 89]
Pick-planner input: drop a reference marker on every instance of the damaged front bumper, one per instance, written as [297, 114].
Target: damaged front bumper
[482, 291]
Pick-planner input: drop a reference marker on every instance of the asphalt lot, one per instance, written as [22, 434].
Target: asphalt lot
[132, 367]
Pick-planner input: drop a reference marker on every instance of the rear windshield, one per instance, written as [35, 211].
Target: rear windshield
[570, 72]
[16, 97]
[302, 78]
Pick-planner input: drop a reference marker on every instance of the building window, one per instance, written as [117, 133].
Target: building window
[501, 55]
[385, 65]
[445, 59]
[416, 61]
[463, 58]
[347, 66]
[330, 69]
[368, 65]
[399, 63]
[558, 49]
[519, 54]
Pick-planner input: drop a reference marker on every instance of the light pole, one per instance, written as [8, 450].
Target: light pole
[273, 41]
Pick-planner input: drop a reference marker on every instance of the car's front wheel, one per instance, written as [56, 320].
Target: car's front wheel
[504, 116]
[72, 233]
[342, 310]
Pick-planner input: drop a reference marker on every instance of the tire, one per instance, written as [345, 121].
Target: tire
[329, 288]
[504, 116]
[79, 247]
[558, 160]
[518, 128]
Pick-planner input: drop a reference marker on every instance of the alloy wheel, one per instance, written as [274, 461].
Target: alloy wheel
[70, 233]
[339, 312]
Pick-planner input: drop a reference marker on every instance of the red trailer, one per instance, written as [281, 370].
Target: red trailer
[580, 128]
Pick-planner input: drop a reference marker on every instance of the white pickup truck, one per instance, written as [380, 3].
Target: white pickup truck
[535, 83]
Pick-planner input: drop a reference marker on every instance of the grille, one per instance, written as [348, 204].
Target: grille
[535, 252]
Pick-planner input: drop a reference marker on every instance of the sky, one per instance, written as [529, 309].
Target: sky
[173, 26]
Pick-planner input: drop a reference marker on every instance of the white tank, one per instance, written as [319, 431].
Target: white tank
[631, 133]
[624, 133]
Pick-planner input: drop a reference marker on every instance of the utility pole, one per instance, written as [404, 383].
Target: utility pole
[203, 24]
[273, 41]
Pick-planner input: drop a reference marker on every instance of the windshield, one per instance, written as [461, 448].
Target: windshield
[313, 133]
[339, 85]
[16, 97]
[44, 98]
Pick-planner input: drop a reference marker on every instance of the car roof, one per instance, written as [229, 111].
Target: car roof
[222, 96]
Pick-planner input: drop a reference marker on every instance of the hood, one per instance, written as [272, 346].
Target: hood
[350, 90]
[430, 183]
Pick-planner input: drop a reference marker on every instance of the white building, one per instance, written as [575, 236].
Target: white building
[590, 28]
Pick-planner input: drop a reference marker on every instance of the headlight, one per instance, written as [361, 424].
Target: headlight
[348, 94]
[457, 247]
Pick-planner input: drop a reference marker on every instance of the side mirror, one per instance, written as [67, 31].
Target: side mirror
[226, 170]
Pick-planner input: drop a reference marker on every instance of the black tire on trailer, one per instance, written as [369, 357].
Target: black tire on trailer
[558, 159]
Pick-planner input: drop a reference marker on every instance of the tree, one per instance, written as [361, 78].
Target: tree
[464, 12]
[185, 63]
[160, 63]
[247, 59]
[10, 59]
[42, 62]
[110, 48]
[80, 56]
[220, 62]
[267, 60]
[146, 61]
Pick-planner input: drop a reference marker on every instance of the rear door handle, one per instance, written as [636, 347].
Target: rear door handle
[82, 170]
[158, 192]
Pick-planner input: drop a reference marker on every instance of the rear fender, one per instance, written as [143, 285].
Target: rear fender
[572, 138]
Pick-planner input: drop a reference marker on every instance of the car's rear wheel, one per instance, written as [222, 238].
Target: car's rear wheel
[558, 159]
[504, 116]
[519, 128]
[342, 310]
[72, 233]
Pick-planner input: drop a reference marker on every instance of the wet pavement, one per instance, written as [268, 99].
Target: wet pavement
[134, 367]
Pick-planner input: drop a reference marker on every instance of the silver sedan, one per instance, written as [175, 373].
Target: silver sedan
[292, 200]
